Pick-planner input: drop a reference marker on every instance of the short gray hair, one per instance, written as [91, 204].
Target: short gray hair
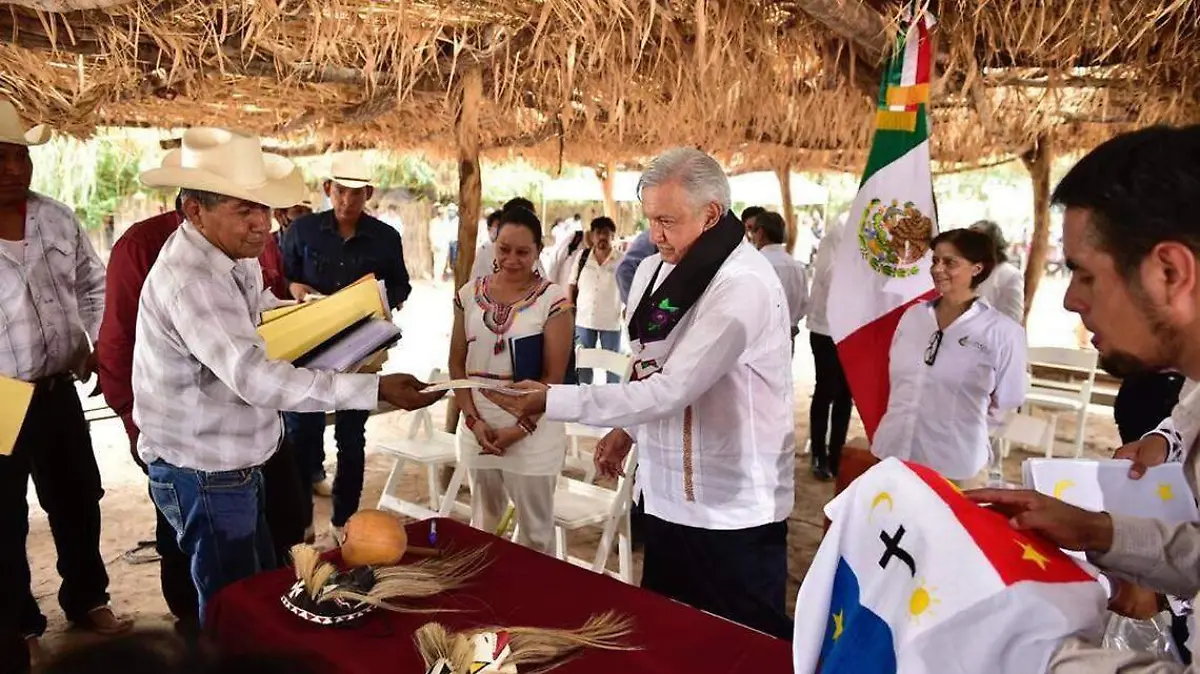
[209, 200]
[701, 176]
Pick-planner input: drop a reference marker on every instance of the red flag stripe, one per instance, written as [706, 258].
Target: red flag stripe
[1016, 555]
[864, 354]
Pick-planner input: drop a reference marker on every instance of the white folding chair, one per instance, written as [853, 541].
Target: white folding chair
[1064, 396]
[579, 504]
[597, 359]
[425, 446]
[432, 451]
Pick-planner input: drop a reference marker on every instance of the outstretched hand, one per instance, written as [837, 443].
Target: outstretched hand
[1062, 524]
[404, 391]
[531, 402]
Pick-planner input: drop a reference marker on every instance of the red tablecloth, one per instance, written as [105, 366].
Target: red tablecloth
[518, 588]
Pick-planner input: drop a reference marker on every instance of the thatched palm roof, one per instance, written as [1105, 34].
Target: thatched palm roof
[759, 82]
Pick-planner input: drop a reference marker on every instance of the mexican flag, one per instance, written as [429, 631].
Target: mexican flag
[882, 262]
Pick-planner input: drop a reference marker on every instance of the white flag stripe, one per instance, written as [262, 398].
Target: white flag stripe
[858, 293]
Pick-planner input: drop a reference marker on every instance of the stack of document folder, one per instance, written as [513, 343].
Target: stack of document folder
[339, 333]
[15, 397]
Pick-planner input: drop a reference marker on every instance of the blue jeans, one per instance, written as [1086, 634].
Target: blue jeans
[306, 432]
[610, 340]
[219, 520]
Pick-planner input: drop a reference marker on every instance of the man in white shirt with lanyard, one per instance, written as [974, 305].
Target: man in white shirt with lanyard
[51, 303]
[710, 404]
[206, 398]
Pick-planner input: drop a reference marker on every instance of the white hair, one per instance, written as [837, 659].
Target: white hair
[701, 176]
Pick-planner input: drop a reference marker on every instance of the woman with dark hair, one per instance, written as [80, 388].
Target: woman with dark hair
[1004, 288]
[489, 312]
[955, 363]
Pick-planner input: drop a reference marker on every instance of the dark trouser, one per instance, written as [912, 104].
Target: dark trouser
[289, 501]
[609, 340]
[286, 505]
[53, 447]
[306, 431]
[739, 574]
[1143, 401]
[831, 391]
[219, 521]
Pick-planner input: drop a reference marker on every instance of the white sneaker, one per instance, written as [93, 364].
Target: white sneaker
[323, 488]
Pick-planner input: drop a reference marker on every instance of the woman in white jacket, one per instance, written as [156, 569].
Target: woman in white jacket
[1005, 287]
[831, 403]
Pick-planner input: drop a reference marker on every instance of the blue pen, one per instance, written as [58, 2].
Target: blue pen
[433, 533]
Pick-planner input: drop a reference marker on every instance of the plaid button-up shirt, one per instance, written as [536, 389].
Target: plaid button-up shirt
[52, 298]
[205, 395]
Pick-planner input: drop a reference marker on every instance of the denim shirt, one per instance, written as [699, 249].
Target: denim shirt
[315, 254]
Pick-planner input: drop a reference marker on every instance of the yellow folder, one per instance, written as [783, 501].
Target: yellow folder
[15, 396]
[300, 330]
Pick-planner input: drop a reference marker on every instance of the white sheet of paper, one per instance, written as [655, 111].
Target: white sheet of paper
[1161, 494]
[471, 384]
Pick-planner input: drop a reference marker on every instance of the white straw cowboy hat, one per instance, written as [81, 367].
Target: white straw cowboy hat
[230, 164]
[349, 170]
[13, 132]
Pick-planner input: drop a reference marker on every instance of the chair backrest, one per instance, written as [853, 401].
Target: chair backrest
[422, 419]
[1082, 359]
[603, 359]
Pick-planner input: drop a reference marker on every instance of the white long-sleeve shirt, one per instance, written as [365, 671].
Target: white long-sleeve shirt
[51, 294]
[937, 414]
[715, 427]
[1004, 289]
[205, 395]
[791, 276]
[818, 298]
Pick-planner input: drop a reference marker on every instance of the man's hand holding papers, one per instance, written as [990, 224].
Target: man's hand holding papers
[406, 392]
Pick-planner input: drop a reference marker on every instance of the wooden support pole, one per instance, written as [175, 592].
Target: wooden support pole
[470, 187]
[607, 185]
[784, 173]
[1037, 161]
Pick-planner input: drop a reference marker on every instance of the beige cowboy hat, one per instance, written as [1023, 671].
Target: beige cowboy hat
[349, 170]
[13, 132]
[231, 164]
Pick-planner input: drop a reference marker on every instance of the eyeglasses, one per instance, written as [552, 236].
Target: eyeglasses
[931, 351]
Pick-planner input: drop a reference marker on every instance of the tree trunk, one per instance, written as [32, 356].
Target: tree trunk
[607, 185]
[470, 189]
[1037, 161]
[784, 173]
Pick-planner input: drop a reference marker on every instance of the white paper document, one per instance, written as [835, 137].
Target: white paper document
[472, 384]
[1161, 494]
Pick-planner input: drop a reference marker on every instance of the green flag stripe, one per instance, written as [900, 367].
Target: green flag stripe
[889, 145]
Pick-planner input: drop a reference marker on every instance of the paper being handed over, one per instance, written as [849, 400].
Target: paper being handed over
[452, 385]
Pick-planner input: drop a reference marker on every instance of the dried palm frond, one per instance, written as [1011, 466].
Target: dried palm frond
[419, 580]
[310, 570]
[533, 649]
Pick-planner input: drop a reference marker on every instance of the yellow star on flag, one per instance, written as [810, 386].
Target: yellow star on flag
[1164, 491]
[1030, 553]
[838, 624]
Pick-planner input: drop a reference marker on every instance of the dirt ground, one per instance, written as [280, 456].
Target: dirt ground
[128, 516]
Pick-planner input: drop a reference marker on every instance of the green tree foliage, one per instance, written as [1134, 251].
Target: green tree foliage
[93, 177]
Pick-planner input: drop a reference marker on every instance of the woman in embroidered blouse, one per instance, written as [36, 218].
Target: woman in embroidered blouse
[956, 364]
[513, 301]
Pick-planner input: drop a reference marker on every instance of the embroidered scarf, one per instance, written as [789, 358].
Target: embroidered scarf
[659, 311]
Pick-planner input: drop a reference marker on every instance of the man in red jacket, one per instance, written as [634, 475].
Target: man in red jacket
[130, 261]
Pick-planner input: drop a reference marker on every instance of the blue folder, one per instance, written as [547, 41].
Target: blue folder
[527, 359]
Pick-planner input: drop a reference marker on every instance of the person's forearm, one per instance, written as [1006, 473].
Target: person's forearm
[1153, 554]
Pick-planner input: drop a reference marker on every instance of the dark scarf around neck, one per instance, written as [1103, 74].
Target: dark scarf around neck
[661, 310]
